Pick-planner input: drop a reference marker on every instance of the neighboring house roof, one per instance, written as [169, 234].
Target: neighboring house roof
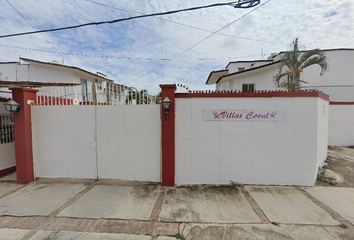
[29, 84]
[246, 70]
[66, 66]
[214, 75]
[8, 62]
[253, 61]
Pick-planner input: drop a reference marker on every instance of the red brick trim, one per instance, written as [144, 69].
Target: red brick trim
[341, 103]
[253, 95]
[256, 208]
[7, 171]
[168, 136]
[158, 205]
[4, 99]
[57, 224]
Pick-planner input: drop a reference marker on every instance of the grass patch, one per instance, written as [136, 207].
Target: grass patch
[178, 236]
[343, 226]
[274, 223]
[235, 184]
[323, 178]
[352, 147]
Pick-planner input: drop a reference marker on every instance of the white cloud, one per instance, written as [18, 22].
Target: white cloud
[133, 48]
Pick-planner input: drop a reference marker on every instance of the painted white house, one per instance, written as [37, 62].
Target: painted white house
[53, 72]
[337, 82]
[33, 70]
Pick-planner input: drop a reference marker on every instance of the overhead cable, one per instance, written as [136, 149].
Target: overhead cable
[186, 25]
[33, 27]
[125, 57]
[235, 4]
[202, 40]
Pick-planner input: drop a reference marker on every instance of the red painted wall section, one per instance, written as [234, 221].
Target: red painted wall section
[23, 134]
[7, 171]
[168, 136]
[341, 103]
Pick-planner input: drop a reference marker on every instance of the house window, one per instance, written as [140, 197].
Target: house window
[241, 68]
[86, 89]
[290, 78]
[7, 134]
[248, 87]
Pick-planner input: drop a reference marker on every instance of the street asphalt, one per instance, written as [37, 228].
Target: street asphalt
[73, 209]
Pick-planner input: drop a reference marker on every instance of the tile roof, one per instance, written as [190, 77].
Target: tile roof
[66, 66]
[248, 62]
[8, 62]
[247, 70]
[213, 72]
[29, 84]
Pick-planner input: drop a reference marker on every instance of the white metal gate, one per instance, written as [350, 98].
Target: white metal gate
[110, 139]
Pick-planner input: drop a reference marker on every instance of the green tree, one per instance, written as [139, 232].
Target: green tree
[140, 97]
[158, 97]
[294, 61]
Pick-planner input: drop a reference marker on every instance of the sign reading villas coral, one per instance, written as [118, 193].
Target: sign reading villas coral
[259, 115]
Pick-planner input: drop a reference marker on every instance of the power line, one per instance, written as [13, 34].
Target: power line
[20, 14]
[238, 4]
[186, 25]
[34, 28]
[126, 57]
[202, 40]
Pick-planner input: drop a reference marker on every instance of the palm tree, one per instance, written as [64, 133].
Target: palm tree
[295, 61]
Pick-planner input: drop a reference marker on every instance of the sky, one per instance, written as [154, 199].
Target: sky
[179, 48]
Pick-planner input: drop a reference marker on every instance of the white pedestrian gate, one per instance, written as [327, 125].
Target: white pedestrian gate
[7, 140]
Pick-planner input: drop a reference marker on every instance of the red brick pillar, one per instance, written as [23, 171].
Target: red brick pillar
[168, 136]
[23, 134]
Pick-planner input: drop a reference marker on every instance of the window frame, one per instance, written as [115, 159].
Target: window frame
[248, 85]
[86, 89]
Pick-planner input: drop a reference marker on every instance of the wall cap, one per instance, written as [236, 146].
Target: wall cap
[341, 103]
[264, 94]
[168, 86]
[25, 89]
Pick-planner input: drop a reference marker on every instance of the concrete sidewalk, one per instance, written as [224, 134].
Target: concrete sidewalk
[108, 210]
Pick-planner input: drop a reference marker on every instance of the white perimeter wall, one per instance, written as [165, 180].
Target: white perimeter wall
[322, 130]
[341, 125]
[285, 153]
[127, 147]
